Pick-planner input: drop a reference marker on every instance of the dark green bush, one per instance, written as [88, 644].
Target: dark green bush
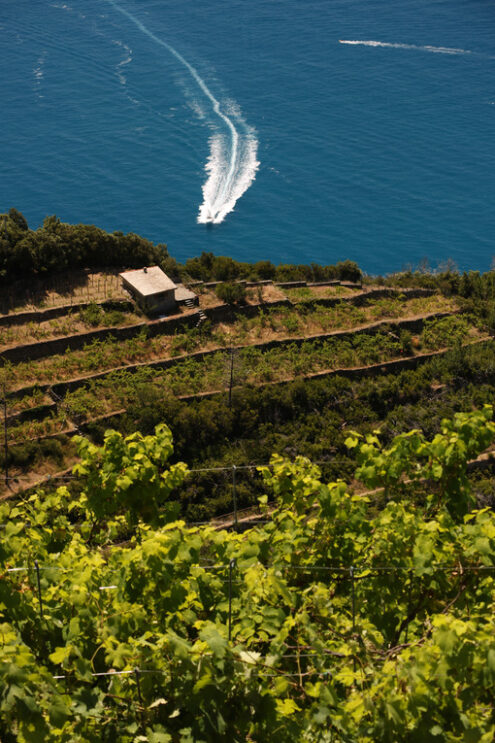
[406, 342]
[92, 314]
[23, 455]
[231, 293]
[348, 271]
[53, 449]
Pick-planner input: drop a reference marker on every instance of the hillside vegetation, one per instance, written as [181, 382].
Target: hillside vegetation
[240, 385]
[312, 559]
[326, 623]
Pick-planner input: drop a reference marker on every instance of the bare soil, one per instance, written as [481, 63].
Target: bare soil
[264, 293]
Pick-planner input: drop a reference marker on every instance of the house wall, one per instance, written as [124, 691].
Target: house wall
[155, 304]
[163, 302]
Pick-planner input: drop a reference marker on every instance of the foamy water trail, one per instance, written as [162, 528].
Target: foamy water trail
[127, 60]
[434, 49]
[38, 73]
[232, 163]
[218, 200]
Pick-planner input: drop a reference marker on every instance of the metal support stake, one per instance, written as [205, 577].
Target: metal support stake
[409, 600]
[231, 375]
[39, 587]
[140, 698]
[234, 496]
[351, 571]
[231, 567]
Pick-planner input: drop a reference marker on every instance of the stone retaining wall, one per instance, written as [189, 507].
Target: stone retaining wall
[31, 414]
[414, 326]
[363, 298]
[19, 318]
[373, 370]
[332, 282]
[170, 325]
[42, 349]
[329, 282]
[227, 312]
[61, 388]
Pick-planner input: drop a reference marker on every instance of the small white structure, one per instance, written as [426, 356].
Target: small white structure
[152, 289]
[185, 296]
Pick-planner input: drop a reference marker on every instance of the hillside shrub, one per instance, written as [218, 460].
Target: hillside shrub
[231, 293]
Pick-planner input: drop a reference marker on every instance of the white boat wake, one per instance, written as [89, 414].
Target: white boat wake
[434, 49]
[126, 60]
[232, 163]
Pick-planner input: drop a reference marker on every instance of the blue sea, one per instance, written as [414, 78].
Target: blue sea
[295, 130]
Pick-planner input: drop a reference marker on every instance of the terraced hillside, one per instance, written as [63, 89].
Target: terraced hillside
[335, 592]
[80, 368]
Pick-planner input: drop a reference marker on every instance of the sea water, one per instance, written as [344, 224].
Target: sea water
[294, 130]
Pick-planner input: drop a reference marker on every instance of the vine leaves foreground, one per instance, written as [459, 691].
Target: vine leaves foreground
[333, 621]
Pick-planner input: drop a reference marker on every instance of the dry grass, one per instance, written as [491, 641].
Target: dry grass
[307, 293]
[15, 406]
[207, 298]
[64, 289]
[264, 293]
[69, 324]
[37, 476]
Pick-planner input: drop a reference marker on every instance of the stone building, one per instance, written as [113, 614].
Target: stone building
[152, 289]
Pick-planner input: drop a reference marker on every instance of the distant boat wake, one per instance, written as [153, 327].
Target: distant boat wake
[433, 49]
[232, 163]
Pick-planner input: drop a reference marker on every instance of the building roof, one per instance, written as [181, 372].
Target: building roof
[148, 281]
[181, 293]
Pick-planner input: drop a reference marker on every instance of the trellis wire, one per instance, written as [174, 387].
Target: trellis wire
[227, 468]
[351, 571]
[255, 663]
[440, 567]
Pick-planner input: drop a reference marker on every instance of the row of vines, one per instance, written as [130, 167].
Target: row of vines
[326, 623]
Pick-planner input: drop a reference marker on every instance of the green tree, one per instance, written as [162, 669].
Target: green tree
[19, 219]
[348, 271]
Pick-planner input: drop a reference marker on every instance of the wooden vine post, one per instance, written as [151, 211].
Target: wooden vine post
[5, 435]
